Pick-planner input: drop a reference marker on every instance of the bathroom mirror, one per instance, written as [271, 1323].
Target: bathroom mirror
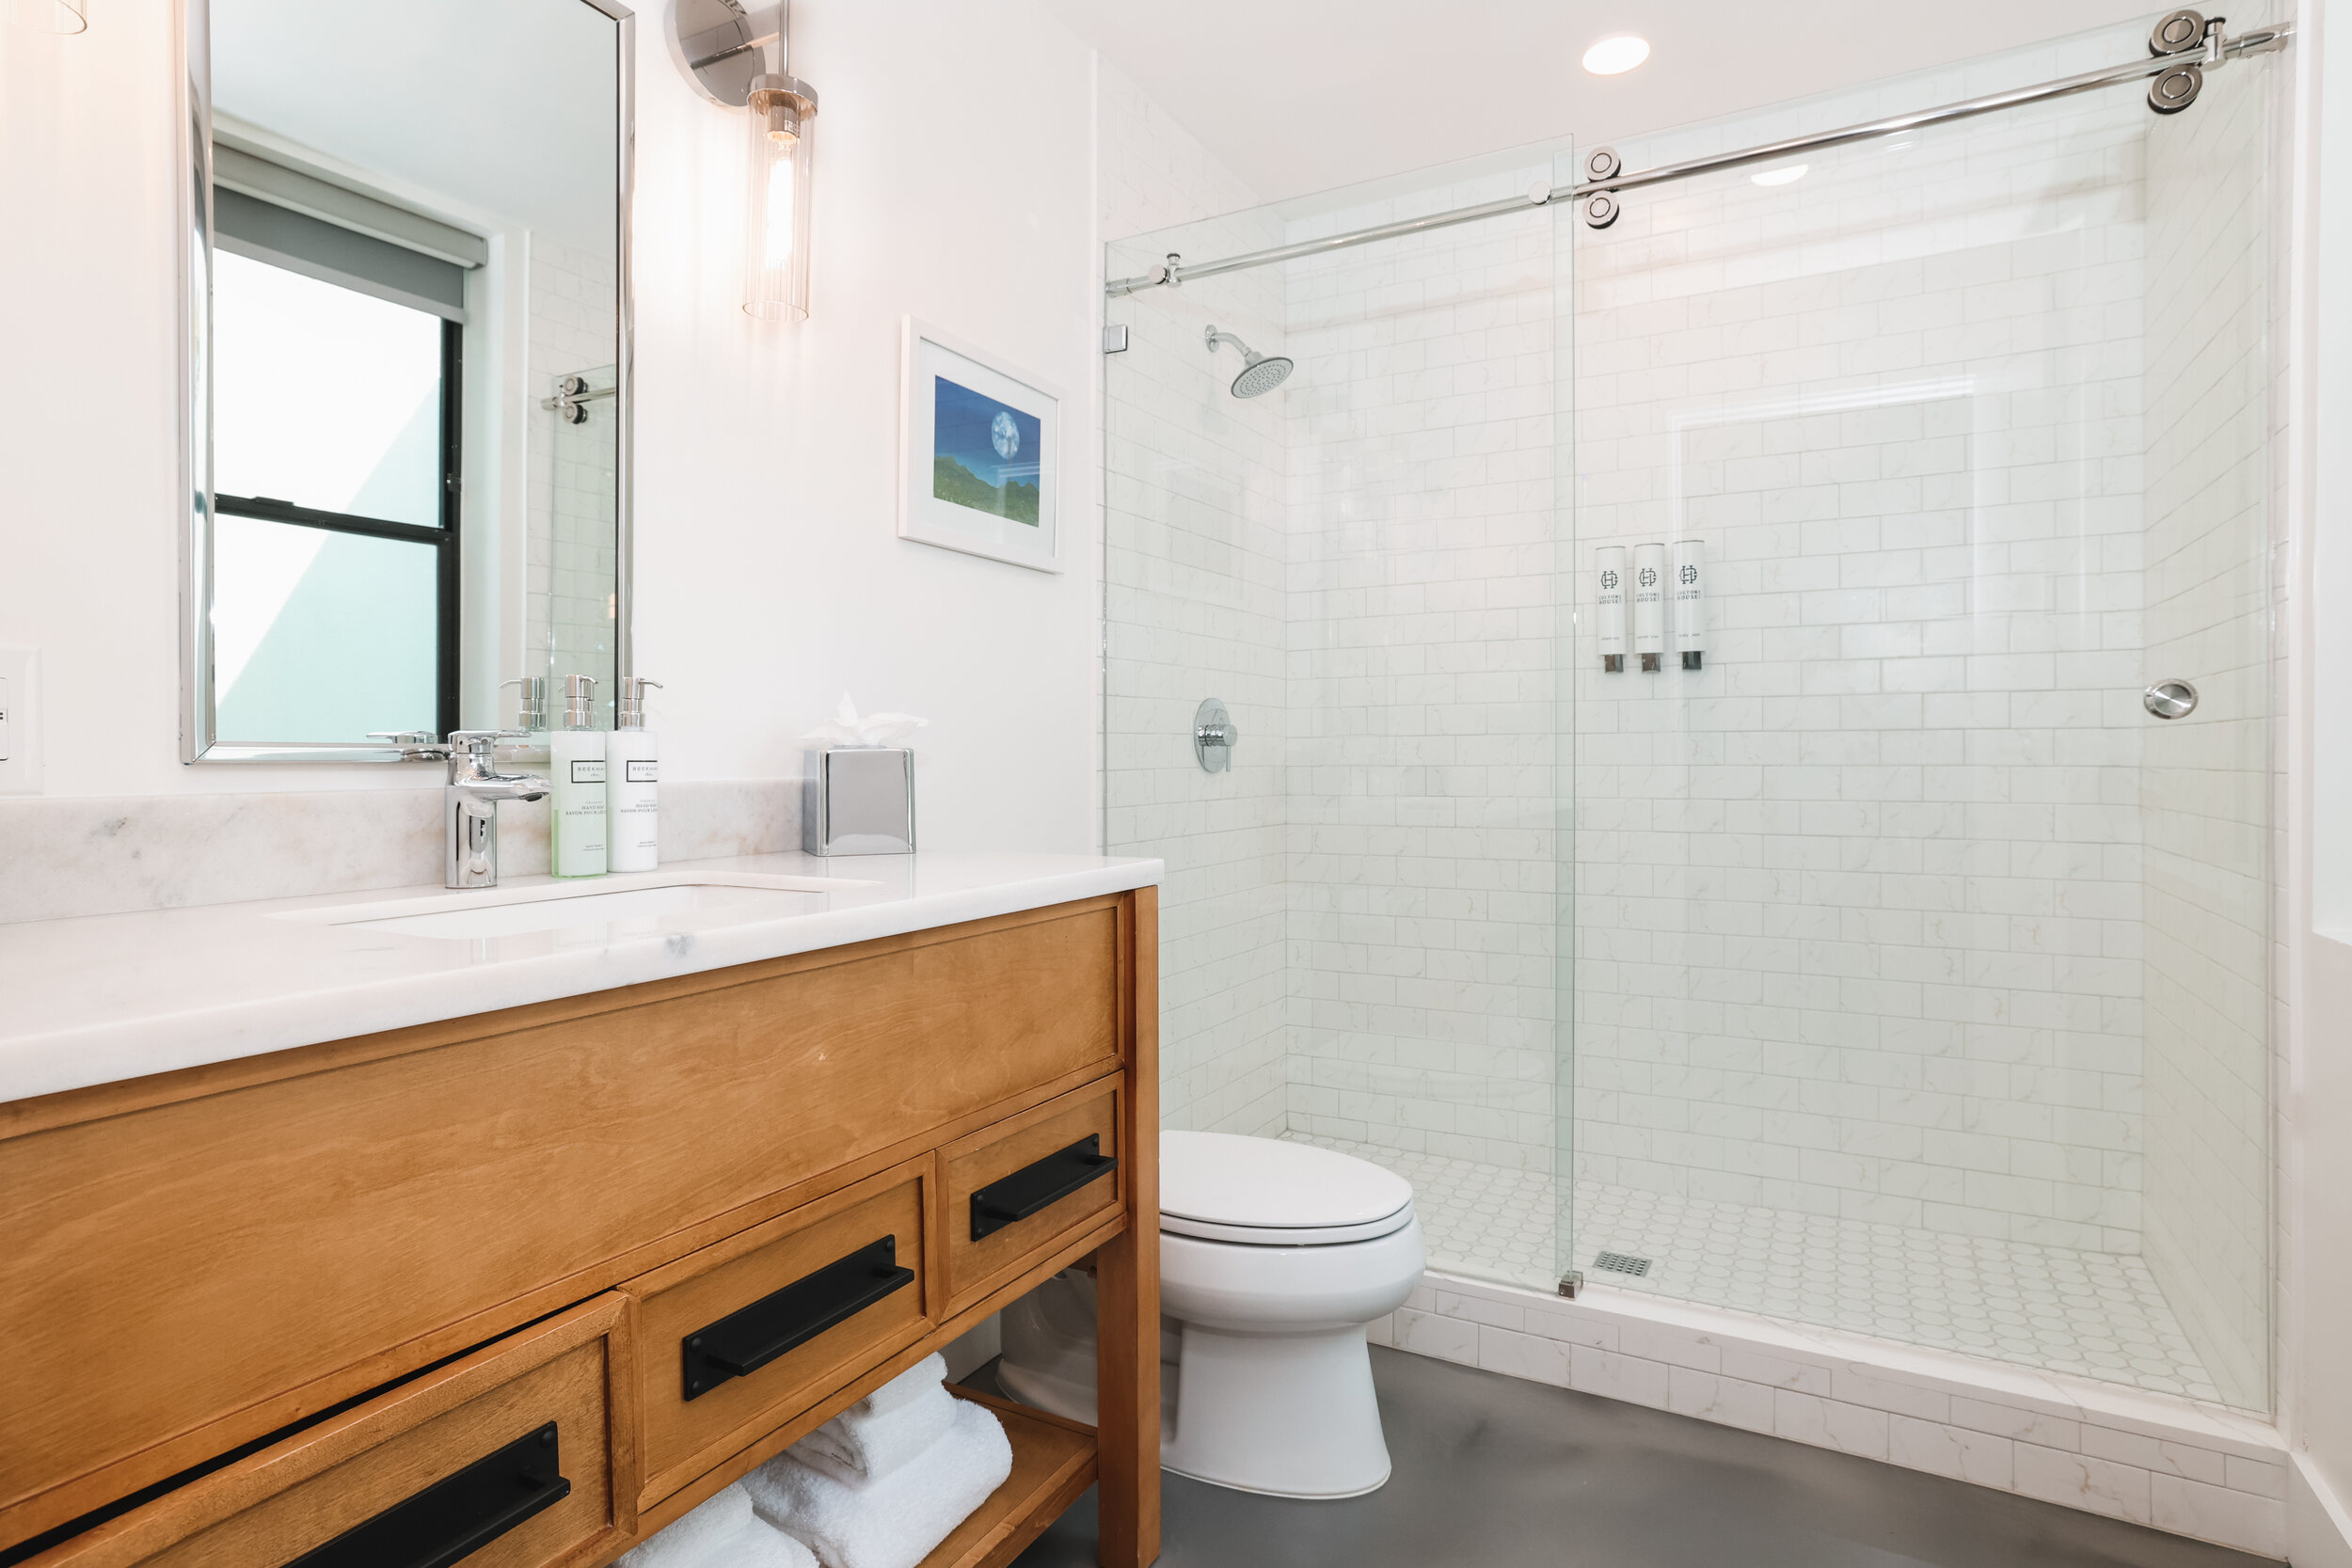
[407, 384]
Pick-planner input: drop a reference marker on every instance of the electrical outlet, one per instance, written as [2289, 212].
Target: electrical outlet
[20, 720]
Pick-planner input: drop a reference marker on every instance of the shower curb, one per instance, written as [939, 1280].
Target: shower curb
[2193, 1469]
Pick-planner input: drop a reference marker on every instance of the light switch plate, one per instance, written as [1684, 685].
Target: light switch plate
[20, 720]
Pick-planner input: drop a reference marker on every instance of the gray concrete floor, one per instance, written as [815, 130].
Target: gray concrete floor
[1499, 1473]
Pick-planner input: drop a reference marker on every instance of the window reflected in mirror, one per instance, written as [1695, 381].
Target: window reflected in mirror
[336, 477]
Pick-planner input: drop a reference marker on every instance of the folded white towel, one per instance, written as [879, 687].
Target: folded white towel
[928, 1373]
[759, 1546]
[857, 1449]
[716, 1534]
[896, 1521]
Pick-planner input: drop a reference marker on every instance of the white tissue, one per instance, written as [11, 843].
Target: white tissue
[845, 728]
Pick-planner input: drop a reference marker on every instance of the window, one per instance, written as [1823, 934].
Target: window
[336, 477]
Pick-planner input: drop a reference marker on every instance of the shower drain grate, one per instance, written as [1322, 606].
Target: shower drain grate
[1622, 1262]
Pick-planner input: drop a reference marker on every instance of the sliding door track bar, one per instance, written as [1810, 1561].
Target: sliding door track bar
[2183, 47]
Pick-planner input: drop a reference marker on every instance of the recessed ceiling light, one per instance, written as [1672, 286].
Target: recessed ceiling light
[1614, 56]
[1787, 174]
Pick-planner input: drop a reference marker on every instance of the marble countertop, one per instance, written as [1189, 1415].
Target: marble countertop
[103, 998]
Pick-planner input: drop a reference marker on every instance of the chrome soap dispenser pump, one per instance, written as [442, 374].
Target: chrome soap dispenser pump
[576, 829]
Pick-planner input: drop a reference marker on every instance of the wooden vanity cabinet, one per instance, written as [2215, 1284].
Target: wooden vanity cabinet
[239, 1296]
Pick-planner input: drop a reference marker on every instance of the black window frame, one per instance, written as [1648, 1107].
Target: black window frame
[444, 538]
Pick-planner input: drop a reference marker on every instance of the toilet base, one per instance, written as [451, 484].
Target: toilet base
[1048, 1357]
[1284, 1415]
[1265, 1381]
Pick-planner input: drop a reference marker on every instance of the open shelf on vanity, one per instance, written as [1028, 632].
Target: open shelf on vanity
[1053, 1464]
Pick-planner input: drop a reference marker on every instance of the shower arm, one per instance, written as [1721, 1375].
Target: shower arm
[2215, 49]
[1216, 339]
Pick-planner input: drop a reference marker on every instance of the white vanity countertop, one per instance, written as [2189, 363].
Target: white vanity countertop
[104, 998]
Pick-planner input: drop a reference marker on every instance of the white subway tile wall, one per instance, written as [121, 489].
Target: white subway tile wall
[2208, 778]
[571, 537]
[1858, 903]
[1424, 715]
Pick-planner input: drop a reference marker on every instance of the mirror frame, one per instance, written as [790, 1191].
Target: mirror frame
[200, 739]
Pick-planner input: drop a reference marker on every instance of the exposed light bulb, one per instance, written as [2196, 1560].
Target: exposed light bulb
[1614, 56]
[777, 247]
[783, 122]
[1787, 174]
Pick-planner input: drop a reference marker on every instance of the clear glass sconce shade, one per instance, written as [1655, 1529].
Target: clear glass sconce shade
[776, 269]
[49, 16]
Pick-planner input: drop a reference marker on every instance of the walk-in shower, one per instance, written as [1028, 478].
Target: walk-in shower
[1899, 966]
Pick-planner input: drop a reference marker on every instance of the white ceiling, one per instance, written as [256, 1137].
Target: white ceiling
[416, 90]
[1299, 96]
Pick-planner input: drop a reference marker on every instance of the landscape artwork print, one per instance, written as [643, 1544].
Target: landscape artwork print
[984, 453]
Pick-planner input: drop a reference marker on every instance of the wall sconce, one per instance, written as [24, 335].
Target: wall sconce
[49, 16]
[736, 56]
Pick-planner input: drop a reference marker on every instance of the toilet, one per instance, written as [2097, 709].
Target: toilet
[1273, 1258]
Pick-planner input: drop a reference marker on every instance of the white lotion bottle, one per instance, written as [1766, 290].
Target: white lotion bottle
[577, 824]
[1689, 595]
[632, 773]
[1609, 581]
[1649, 603]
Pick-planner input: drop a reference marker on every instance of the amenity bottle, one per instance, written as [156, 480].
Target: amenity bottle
[632, 771]
[576, 826]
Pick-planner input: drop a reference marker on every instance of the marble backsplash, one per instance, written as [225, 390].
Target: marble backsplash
[67, 856]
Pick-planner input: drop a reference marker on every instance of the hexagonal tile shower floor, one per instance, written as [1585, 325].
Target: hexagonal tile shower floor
[2093, 1314]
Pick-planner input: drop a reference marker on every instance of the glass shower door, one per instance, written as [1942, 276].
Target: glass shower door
[1920, 965]
[1360, 914]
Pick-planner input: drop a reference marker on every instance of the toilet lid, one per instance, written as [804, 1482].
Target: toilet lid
[1273, 1192]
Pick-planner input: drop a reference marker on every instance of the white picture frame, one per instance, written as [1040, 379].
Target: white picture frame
[973, 431]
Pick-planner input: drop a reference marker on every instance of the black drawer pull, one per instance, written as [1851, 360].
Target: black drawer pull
[458, 1515]
[749, 1337]
[1033, 1189]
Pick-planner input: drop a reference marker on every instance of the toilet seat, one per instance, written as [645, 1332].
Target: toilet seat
[1268, 1192]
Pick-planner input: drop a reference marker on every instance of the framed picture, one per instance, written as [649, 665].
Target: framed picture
[980, 452]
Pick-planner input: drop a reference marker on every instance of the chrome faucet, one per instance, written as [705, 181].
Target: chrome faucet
[470, 806]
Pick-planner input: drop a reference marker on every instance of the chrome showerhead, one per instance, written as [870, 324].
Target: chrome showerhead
[1260, 374]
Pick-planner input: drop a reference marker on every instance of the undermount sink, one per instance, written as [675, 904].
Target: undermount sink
[636, 905]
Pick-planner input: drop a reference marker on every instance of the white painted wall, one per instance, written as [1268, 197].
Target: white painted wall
[2315, 1095]
[955, 181]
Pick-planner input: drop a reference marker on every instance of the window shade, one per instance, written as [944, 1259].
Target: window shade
[303, 244]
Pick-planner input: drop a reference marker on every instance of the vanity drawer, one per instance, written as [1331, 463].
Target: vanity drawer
[513, 1447]
[744, 1334]
[1031, 1182]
